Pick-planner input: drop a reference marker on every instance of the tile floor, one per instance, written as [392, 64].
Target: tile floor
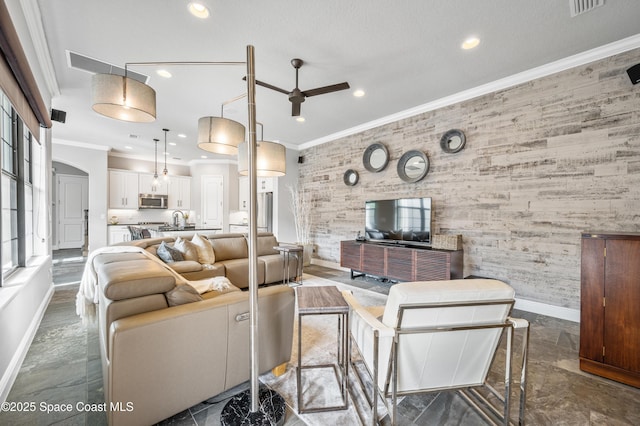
[63, 366]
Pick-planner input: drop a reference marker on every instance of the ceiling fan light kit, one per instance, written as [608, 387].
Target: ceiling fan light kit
[123, 98]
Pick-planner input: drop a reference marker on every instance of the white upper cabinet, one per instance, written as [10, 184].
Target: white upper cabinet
[123, 189]
[180, 193]
[148, 187]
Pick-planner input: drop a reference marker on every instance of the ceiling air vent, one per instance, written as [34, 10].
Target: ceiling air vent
[578, 7]
[94, 66]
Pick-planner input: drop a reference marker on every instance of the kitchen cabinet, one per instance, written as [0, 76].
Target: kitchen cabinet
[123, 189]
[238, 229]
[180, 193]
[265, 184]
[609, 300]
[145, 181]
[118, 234]
[243, 193]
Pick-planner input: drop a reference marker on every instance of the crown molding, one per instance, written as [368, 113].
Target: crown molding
[77, 144]
[564, 64]
[33, 18]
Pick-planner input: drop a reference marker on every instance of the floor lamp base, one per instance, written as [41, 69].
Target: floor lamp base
[270, 413]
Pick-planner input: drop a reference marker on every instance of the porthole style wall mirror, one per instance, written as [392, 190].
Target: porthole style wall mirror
[413, 166]
[350, 177]
[376, 157]
[452, 141]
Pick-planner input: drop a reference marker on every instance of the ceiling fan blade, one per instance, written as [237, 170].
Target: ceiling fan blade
[295, 109]
[326, 89]
[268, 86]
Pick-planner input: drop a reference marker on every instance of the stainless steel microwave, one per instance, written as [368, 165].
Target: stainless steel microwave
[152, 201]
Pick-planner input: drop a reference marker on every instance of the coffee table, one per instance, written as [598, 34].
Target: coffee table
[325, 300]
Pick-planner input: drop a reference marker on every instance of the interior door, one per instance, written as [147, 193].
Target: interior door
[72, 202]
[212, 201]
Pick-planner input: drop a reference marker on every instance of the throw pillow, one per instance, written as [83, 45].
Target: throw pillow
[182, 294]
[188, 250]
[205, 250]
[169, 254]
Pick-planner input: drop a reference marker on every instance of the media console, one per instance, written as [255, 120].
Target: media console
[400, 262]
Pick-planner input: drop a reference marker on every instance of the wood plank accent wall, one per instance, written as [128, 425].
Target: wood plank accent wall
[544, 161]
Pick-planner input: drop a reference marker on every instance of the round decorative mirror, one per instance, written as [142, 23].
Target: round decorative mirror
[452, 141]
[413, 166]
[350, 177]
[376, 157]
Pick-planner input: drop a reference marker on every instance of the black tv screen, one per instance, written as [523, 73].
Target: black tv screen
[404, 220]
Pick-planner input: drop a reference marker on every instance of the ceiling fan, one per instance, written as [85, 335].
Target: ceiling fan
[297, 96]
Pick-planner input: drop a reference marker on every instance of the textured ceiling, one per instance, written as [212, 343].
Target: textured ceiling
[403, 54]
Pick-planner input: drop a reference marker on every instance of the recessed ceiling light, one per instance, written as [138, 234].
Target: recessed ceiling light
[470, 43]
[358, 93]
[203, 156]
[128, 147]
[172, 143]
[198, 10]
[300, 119]
[164, 73]
[182, 135]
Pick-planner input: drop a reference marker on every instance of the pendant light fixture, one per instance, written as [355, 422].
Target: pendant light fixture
[165, 172]
[271, 157]
[155, 167]
[123, 98]
[220, 135]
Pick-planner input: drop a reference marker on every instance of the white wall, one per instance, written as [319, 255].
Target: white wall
[93, 161]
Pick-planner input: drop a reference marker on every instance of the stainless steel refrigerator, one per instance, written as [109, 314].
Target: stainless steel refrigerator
[265, 212]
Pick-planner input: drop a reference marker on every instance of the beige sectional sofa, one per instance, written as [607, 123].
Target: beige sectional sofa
[159, 359]
[231, 259]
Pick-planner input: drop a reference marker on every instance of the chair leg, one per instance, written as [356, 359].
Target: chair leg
[523, 376]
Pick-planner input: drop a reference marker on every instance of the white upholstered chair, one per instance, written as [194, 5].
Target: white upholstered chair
[438, 335]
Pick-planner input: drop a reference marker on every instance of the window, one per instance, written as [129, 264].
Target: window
[15, 189]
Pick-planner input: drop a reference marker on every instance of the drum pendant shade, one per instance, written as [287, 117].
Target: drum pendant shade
[123, 98]
[271, 159]
[220, 135]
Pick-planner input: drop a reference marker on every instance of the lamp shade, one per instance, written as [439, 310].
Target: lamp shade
[271, 159]
[123, 98]
[220, 135]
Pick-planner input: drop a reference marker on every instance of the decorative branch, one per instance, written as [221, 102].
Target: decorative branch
[301, 204]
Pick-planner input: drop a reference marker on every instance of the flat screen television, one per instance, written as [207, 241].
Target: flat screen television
[400, 221]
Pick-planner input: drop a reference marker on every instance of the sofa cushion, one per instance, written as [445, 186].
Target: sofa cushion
[125, 280]
[266, 244]
[237, 270]
[230, 248]
[205, 251]
[169, 254]
[189, 250]
[182, 294]
[185, 266]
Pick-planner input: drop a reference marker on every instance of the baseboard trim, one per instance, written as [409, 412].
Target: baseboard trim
[521, 304]
[548, 310]
[10, 374]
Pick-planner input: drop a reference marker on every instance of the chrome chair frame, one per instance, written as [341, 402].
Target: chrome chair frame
[469, 393]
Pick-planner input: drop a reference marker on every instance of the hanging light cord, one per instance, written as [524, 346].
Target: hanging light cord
[155, 167]
[165, 172]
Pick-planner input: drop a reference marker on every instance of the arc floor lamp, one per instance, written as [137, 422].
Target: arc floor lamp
[126, 99]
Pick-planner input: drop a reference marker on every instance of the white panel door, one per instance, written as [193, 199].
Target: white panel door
[72, 201]
[212, 201]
